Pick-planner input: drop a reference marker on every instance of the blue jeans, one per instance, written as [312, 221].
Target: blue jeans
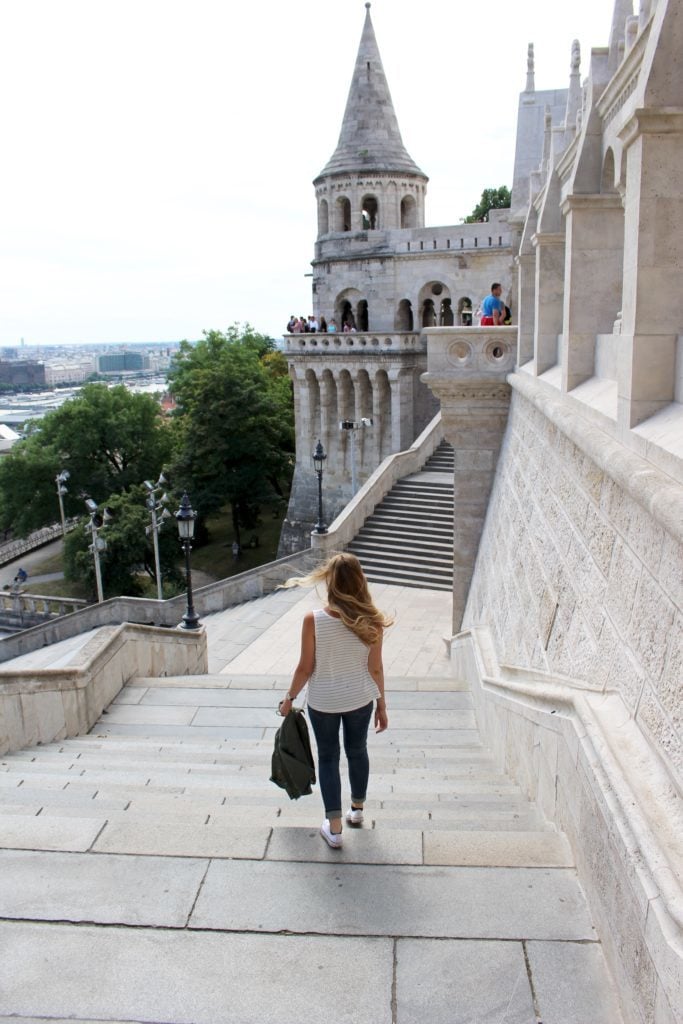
[355, 726]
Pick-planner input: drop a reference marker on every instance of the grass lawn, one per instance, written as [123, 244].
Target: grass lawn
[214, 558]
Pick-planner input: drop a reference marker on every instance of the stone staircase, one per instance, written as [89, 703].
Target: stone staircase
[408, 540]
[162, 877]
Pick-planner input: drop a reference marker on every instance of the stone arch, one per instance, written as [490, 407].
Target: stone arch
[370, 213]
[313, 426]
[465, 311]
[446, 313]
[408, 212]
[342, 214]
[323, 217]
[403, 321]
[346, 396]
[428, 313]
[345, 307]
[435, 305]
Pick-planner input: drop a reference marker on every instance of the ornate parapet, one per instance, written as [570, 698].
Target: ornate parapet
[353, 344]
[467, 370]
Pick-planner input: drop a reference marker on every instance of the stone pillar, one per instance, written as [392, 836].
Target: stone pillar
[594, 257]
[467, 369]
[526, 306]
[549, 287]
[653, 256]
[402, 407]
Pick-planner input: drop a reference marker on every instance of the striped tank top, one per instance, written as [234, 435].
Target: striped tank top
[341, 680]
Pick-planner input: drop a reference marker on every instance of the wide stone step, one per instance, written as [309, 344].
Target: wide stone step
[436, 524]
[420, 583]
[401, 556]
[407, 539]
[377, 565]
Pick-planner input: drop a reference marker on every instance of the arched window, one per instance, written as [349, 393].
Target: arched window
[362, 317]
[323, 217]
[346, 314]
[428, 314]
[465, 311]
[408, 212]
[342, 214]
[370, 213]
[446, 314]
[404, 316]
[607, 183]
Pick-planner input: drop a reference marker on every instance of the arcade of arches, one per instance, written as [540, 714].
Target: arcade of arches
[398, 404]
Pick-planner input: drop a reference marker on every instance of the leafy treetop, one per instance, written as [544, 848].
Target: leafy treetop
[491, 199]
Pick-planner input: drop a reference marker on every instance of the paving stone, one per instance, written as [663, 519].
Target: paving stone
[572, 984]
[497, 849]
[429, 901]
[187, 732]
[136, 715]
[42, 833]
[361, 846]
[108, 889]
[181, 978]
[447, 701]
[209, 697]
[175, 839]
[461, 982]
[239, 717]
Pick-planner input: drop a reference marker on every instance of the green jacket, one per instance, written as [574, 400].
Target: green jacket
[292, 766]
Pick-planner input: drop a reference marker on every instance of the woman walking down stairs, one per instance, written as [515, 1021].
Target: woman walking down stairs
[162, 877]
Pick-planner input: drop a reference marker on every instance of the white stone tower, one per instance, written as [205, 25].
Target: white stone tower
[378, 268]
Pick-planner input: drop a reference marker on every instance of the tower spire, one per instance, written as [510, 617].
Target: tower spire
[370, 138]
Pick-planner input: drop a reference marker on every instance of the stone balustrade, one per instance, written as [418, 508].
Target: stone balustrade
[13, 549]
[41, 705]
[19, 609]
[354, 343]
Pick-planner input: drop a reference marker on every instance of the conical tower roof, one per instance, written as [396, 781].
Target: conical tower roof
[370, 139]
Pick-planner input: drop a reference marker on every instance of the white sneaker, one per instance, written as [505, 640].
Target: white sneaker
[354, 815]
[332, 839]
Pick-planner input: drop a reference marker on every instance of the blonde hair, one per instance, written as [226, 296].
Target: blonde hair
[348, 594]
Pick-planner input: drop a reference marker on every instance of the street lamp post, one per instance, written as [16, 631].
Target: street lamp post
[351, 427]
[62, 489]
[97, 521]
[155, 507]
[319, 457]
[185, 517]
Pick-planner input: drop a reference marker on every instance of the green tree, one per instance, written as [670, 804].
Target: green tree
[128, 558]
[237, 423]
[491, 199]
[108, 438]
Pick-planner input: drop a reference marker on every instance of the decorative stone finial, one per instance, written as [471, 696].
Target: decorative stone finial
[576, 57]
[530, 68]
[368, 6]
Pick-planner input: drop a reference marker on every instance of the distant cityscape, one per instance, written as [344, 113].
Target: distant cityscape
[33, 367]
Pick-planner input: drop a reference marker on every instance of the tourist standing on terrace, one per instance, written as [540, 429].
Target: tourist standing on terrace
[493, 308]
[341, 660]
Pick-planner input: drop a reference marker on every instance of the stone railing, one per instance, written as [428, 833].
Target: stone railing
[18, 610]
[13, 549]
[370, 342]
[41, 705]
[393, 468]
[146, 611]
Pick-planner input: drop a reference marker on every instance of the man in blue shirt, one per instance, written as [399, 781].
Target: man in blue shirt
[493, 308]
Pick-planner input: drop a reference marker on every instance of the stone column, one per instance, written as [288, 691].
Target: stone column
[653, 256]
[402, 407]
[594, 256]
[549, 287]
[467, 369]
[526, 306]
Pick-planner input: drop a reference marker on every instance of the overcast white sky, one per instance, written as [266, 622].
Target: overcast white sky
[157, 156]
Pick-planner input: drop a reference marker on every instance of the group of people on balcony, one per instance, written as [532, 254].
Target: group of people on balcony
[311, 325]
